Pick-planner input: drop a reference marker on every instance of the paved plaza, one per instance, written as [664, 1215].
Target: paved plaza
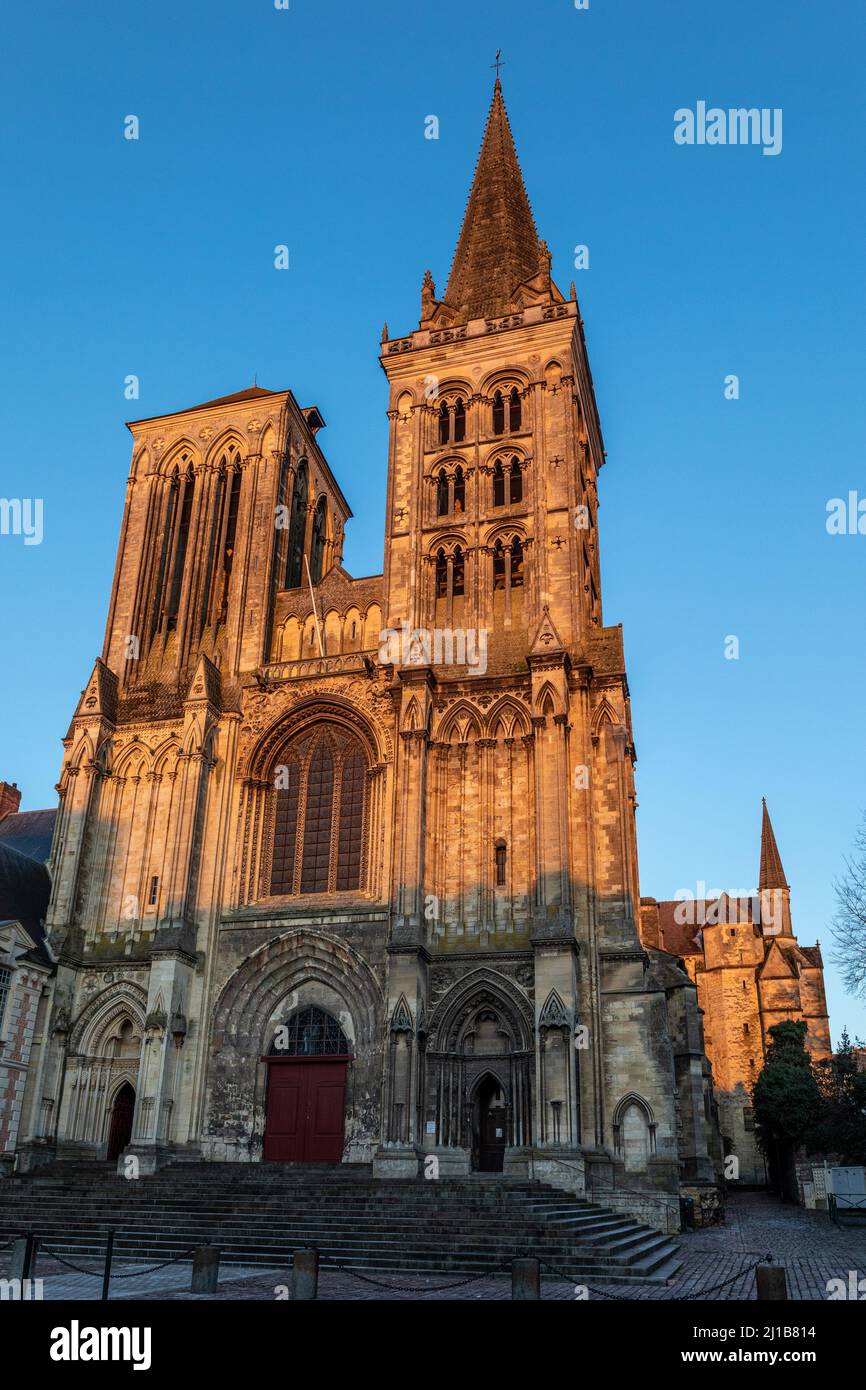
[812, 1250]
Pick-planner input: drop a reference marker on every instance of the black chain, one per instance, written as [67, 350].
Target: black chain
[416, 1288]
[686, 1298]
[46, 1250]
[134, 1274]
[98, 1273]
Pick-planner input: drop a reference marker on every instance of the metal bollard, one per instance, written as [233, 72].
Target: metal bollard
[23, 1257]
[305, 1274]
[205, 1270]
[771, 1283]
[525, 1279]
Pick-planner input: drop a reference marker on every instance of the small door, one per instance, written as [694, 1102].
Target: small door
[306, 1111]
[491, 1120]
[120, 1128]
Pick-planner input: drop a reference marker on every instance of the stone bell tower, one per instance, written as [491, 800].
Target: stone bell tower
[515, 896]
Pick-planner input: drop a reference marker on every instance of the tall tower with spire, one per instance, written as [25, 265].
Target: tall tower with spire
[515, 892]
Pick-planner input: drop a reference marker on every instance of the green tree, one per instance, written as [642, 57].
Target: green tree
[787, 1102]
[841, 1127]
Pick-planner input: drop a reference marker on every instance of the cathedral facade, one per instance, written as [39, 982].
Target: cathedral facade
[345, 869]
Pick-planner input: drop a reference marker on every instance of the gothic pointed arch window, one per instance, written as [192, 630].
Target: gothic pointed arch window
[184, 519]
[317, 543]
[515, 482]
[215, 593]
[172, 564]
[499, 565]
[168, 525]
[515, 410]
[516, 564]
[444, 423]
[297, 528]
[459, 490]
[498, 484]
[320, 814]
[458, 572]
[498, 413]
[459, 420]
[443, 503]
[441, 575]
[310, 1032]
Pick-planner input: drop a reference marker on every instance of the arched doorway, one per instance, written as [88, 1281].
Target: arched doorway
[120, 1124]
[307, 1065]
[489, 1126]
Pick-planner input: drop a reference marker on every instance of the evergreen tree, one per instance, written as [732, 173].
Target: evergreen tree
[787, 1102]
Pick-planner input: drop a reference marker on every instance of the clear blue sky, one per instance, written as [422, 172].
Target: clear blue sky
[306, 127]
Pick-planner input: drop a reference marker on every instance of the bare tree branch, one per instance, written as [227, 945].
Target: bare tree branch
[849, 924]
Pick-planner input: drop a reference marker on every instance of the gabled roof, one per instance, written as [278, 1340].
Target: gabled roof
[498, 247]
[252, 393]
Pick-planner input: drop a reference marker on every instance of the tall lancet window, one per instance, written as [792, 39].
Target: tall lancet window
[180, 549]
[459, 490]
[515, 483]
[458, 573]
[516, 564]
[321, 802]
[317, 544]
[498, 484]
[172, 559]
[215, 593]
[441, 575]
[443, 504]
[515, 410]
[444, 423]
[297, 529]
[498, 413]
[228, 546]
[459, 421]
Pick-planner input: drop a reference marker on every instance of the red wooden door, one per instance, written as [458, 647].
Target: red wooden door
[306, 1109]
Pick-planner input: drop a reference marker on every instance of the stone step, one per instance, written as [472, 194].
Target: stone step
[258, 1214]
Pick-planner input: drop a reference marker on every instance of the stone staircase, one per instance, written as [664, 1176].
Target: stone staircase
[258, 1214]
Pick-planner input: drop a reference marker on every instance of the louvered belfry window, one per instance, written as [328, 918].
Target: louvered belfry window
[320, 808]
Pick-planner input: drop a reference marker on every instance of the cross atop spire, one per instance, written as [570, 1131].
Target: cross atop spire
[772, 875]
[498, 245]
[499, 63]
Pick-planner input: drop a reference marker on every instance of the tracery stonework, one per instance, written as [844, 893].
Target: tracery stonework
[277, 820]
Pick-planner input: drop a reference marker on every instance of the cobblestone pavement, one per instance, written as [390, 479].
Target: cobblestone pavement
[810, 1247]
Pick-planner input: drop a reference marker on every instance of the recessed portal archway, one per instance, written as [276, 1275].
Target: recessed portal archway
[307, 1064]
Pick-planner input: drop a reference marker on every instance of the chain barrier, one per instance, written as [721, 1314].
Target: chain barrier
[417, 1288]
[713, 1288]
[675, 1298]
[98, 1273]
[46, 1250]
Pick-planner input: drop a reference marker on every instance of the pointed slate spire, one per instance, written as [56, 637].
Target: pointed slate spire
[772, 875]
[498, 247]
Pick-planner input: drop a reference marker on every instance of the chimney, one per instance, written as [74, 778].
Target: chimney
[10, 799]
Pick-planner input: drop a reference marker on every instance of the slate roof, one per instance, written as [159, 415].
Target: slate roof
[25, 886]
